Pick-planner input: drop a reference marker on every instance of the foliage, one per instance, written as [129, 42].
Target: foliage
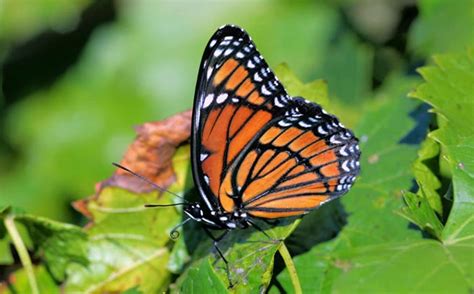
[371, 253]
[405, 226]
[444, 26]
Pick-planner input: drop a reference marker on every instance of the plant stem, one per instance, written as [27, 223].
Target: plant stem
[285, 254]
[22, 252]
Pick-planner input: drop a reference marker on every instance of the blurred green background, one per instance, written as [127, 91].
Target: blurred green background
[76, 76]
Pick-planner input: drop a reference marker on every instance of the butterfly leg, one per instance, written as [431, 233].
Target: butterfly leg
[216, 240]
[253, 224]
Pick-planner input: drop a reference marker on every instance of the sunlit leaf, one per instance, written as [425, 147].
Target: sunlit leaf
[60, 243]
[449, 89]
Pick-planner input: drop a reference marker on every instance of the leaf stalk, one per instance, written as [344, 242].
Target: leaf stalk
[285, 254]
[20, 247]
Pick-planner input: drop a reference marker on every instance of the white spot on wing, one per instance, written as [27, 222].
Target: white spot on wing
[203, 156]
[257, 77]
[240, 55]
[221, 98]
[209, 72]
[277, 102]
[343, 151]
[218, 52]
[228, 51]
[213, 42]
[345, 167]
[321, 130]
[334, 140]
[284, 123]
[303, 124]
[208, 100]
[353, 165]
[265, 91]
[250, 64]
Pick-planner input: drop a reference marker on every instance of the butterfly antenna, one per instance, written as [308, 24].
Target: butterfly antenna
[152, 184]
[174, 234]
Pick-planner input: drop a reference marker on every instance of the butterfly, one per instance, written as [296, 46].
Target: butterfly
[257, 152]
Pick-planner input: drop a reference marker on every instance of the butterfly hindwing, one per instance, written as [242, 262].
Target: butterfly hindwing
[300, 162]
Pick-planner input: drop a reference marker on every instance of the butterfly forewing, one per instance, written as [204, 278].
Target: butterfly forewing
[256, 149]
[235, 97]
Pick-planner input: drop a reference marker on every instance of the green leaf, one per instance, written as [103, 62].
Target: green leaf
[425, 177]
[347, 67]
[419, 212]
[371, 204]
[60, 244]
[442, 26]
[18, 282]
[315, 91]
[6, 257]
[449, 89]
[249, 254]
[425, 266]
[126, 245]
[378, 251]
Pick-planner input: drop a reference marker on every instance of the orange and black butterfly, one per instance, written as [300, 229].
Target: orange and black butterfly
[256, 151]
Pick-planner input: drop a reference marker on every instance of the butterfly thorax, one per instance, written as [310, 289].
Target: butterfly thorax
[217, 219]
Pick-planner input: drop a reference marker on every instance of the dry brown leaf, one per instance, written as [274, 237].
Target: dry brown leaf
[149, 155]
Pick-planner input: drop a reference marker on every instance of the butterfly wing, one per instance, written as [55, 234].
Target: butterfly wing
[255, 147]
[301, 161]
[235, 96]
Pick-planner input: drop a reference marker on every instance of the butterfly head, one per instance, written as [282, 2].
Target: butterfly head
[194, 211]
[217, 219]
